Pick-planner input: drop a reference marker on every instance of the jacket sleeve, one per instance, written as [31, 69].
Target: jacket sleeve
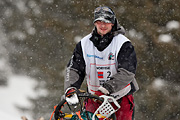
[127, 57]
[127, 63]
[75, 71]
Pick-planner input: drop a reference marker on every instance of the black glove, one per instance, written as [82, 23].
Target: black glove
[57, 113]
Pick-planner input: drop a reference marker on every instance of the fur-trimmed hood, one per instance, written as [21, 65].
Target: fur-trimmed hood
[117, 28]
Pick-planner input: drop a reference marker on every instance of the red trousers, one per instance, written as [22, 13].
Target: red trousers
[124, 113]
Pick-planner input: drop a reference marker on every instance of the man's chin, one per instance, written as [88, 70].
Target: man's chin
[103, 32]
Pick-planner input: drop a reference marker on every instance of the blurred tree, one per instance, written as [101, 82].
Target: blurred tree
[41, 37]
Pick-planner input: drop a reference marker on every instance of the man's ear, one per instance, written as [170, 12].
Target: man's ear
[95, 24]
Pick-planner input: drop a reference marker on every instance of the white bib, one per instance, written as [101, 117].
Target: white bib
[101, 65]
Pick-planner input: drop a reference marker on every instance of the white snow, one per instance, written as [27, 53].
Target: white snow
[47, 1]
[158, 84]
[165, 38]
[28, 24]
[20, 4]
[8, 12]
[77, 38]
[172, 25]
[134, 34]
[19, 35]
[19, 88]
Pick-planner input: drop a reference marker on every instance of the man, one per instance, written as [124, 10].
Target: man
[108, 60]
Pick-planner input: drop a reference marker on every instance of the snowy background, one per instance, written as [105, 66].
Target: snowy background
[19, 89]
[37, 38]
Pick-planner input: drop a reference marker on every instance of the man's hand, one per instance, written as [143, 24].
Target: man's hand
[71, 96]
[58, 114]
[98, 93]
[101, 91]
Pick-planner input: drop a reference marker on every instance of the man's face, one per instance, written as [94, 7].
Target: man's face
[102, 27]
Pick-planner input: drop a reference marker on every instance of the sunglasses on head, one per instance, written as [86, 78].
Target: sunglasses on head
[106, 9]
